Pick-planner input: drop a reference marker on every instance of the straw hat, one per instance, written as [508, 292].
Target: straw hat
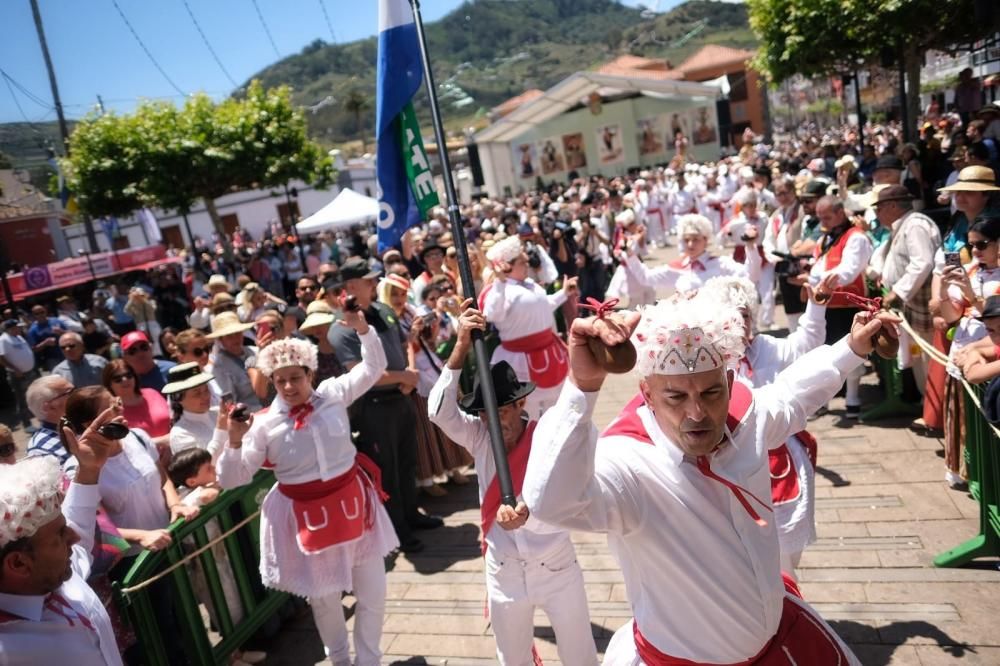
[217, 282]
[185, 376]
[319, 313]
[226, 323]
[974, 179]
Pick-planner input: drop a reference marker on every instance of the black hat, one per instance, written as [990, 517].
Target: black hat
[814, 189]
[356, 268]
[431, 246]
[991, 308]
[889, 162]
[506, 385]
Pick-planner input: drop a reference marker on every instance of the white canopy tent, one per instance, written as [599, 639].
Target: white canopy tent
[346, 209]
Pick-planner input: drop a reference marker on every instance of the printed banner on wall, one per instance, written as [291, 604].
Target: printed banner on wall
[704, 127]
[576, 153]
[552, 158]
[650, 135]
[526, 159]
[609, 144]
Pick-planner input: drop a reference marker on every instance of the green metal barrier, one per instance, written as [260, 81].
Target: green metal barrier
[982, 459]
[242, 549]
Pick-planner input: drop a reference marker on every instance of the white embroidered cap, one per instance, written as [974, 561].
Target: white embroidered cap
[680, 336]
[287, 353]
[30, 496]
[506, 250]
[736, 292]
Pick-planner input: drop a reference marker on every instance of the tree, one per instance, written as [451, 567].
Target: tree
[170, 157]
[356, 103]
[817, 37]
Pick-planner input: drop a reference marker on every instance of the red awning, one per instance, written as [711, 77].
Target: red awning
[21, 295]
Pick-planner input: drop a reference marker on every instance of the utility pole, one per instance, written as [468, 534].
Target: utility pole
[63, 127]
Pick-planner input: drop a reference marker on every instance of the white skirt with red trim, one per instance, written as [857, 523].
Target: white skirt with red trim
[284, 567]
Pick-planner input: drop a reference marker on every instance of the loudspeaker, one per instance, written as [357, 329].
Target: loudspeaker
[475, 165]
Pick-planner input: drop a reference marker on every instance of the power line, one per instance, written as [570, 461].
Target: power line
[208, 45]
[148, 54]
[329, 25]
[27, 93]
[267, 30]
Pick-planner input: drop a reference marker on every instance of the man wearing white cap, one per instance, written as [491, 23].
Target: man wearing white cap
[679, 482]
[48, 612]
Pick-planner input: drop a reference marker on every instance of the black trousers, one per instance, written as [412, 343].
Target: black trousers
[387, 423]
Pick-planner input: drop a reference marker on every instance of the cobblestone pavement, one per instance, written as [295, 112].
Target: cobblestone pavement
[883, 513]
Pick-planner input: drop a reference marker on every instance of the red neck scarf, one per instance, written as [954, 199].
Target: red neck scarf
[518, 461]
[299, 414]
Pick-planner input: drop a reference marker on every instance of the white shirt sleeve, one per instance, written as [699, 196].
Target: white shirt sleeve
[856, 255]
[442, 408]
[236, 467]
[495, 303]
[356, 382]
[802, 388]
[547, 273]
[567, 483]
[80, 510]
[661, 277]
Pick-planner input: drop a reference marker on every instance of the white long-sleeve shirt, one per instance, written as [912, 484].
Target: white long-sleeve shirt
[534, 540]
[198, 430]
[323, 448]
[856, 255]
[689, 276]
[769, 355]
[34, 633]
[690, 554]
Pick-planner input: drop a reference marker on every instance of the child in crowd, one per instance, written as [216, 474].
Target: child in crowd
[193, 473]
[980, 361]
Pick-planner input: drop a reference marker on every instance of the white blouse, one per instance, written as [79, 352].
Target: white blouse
[323, 448]
[131, 487]
[519, 309]
[693, 273]
[198, 430]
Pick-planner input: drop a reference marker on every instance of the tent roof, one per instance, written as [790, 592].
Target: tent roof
[347, 208]
[575, 89]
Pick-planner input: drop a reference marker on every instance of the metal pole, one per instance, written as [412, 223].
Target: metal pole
[291, 223]
[861, 120]
[904, 111]
[88, 224]
[465, 269]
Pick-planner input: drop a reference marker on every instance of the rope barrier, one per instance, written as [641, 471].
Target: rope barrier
[191, 556]
[935, 355]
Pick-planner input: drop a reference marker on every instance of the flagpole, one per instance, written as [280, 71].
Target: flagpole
[465, 269]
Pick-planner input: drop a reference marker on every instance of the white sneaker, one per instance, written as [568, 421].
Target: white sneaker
[954, 480]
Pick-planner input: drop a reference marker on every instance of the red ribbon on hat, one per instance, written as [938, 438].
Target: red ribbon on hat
[600, 308]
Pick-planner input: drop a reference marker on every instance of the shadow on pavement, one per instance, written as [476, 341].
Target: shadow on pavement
[875, 647]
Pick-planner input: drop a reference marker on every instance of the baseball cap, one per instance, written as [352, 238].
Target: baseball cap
[133, 338]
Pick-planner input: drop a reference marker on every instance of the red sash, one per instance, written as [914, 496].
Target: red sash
[784, 476]
[801, 638]
[548, 361]
[517, 459]
[740, 254]
[328, 513]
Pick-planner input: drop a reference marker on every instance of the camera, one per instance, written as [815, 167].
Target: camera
[534, 256]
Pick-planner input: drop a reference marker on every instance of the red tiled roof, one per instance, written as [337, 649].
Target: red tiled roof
[511, 104]
[713, 55]
[639, 68]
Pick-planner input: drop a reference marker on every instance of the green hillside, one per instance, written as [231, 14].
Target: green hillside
[484, 52]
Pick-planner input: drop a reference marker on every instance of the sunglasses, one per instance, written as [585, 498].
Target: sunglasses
[59, 396]
[980, 245]
[200, 351]
[139, 348]
[7, 449]
[118, 379]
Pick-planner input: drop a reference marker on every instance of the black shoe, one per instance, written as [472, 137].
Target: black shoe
[424, 522]
[412, 545]
[852, 412]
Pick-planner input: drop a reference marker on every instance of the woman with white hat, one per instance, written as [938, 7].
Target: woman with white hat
[522, 313]
[195, 421]
[323, 529]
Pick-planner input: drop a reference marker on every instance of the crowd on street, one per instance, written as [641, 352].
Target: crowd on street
[346, 371]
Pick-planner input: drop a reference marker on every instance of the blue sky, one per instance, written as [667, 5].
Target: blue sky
[94, 53]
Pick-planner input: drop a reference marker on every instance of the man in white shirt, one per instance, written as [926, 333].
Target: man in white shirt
[528, 564]
[676, 483]
[48, 612]
[18, 359]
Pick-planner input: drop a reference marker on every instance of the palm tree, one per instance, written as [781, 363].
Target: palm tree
[356, 103]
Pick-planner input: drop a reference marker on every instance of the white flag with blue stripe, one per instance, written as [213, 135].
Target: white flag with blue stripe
[406, 184]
